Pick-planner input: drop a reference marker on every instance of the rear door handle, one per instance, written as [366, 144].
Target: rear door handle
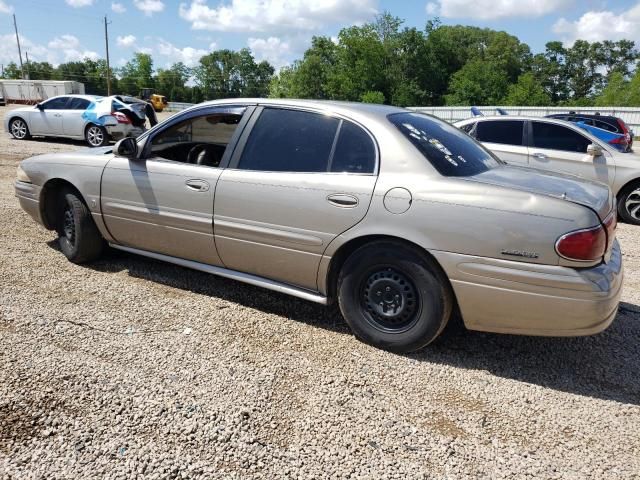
[343, 200]
[540, 156]
[197, 185]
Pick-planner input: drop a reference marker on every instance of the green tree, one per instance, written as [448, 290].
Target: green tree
[372, 97]
[12, 71]
[477, 83]
[527, 91]
[172, 82]
[137, 74]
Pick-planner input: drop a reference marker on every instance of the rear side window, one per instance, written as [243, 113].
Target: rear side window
[507, 132]
[290, 141]
[78, 104]
[452, 152]
[557, 137]
[467, 128]
[606, 126]
[355, 151]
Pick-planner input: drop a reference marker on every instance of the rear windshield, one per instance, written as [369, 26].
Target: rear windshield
[451, 151]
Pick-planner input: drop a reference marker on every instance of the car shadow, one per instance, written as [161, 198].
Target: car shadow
[604, 366]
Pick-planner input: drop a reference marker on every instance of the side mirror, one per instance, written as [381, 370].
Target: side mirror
[127, 147]
[594, 150]
[39, 106]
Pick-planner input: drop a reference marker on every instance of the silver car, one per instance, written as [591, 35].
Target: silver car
[561, 146]
[97, 120]
[399, 217]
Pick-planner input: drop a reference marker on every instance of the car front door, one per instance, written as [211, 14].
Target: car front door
[562, 149]
[506, 138]
[72, 120]
[163, 201]
[300, 179]
[47, 120]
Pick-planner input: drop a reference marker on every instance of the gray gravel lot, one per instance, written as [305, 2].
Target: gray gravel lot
[130, 368]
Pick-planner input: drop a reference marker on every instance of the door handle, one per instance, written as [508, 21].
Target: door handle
[57, 115]
[540, 156]
[343, 200]
[197, 185]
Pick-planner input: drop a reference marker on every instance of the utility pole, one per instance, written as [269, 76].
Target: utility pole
[15, 25]
[106, 42]
[27, 58]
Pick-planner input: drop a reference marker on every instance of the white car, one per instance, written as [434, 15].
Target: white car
[561, 146]
[82, 117]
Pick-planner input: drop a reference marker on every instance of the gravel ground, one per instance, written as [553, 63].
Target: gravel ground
[130, 368]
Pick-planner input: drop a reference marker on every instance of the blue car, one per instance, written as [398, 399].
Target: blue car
[608, 128]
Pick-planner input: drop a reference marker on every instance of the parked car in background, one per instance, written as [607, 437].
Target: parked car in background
[561, 146]
[142, 108]
[97, 120]
[607, 128]
[398, 216]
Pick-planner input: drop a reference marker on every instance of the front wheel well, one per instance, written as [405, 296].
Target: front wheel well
[341, 255]
[48, 200]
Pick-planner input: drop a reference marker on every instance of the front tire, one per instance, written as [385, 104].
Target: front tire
[19, 129]
[629, 203]
[394, 297]
[96, 136]
[78, 236]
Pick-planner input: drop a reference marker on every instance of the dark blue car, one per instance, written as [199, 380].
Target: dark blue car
[608, 128]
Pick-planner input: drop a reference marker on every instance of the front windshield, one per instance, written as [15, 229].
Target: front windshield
[451, 151]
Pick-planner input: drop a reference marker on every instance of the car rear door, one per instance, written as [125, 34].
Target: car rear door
[562, 149]
[48, 119]
[506, 138]
[298, 179]
[72, 120]
[163, 201]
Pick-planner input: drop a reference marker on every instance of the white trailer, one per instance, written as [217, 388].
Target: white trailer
[35, 91]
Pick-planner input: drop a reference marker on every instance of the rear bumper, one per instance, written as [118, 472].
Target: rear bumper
[528, 299]
[120, 131]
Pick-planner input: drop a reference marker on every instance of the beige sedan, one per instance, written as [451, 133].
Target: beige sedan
[401, 218]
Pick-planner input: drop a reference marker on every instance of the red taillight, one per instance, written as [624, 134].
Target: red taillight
[121, 117]
[583, 245]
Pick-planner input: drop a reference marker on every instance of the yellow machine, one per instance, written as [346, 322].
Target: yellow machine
[159, 102]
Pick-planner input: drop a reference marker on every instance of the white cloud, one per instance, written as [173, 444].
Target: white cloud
[213, 46]
[118, 7]
[149, 7]
[147, 50]
[188, 55]
[275, 15]
[274, 50]
[495, 9]
[64, 42]
[5, 8]
[126, 41]
[79, 3]
[601, 25]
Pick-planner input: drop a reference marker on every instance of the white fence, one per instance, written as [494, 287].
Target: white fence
[631, 115]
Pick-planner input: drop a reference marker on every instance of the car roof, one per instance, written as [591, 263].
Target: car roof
[74, 95]
[366, 109]
[585, 115]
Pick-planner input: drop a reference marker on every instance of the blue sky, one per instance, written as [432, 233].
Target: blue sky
[280, 30]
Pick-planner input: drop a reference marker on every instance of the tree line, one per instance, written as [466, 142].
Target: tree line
[386, 62]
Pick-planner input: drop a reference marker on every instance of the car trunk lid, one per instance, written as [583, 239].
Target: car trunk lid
[594, 195]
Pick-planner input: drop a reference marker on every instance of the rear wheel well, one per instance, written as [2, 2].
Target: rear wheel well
[49, 206]
[338, 259]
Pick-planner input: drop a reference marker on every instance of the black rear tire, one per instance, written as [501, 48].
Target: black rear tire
[629, 203]
[78, 236]
[394, 297]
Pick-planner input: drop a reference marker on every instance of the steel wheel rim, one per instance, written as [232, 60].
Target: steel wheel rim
[389, 300]
[69, 225]
[95, 136]
[19, 129]
[632, 204]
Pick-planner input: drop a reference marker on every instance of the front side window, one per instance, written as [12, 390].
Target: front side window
[199, 140]
[506, 132]
[56, 103]
[290, 141]
[452, 152]
[556, 137]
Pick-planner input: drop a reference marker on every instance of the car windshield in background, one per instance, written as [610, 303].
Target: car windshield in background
[451, 151]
